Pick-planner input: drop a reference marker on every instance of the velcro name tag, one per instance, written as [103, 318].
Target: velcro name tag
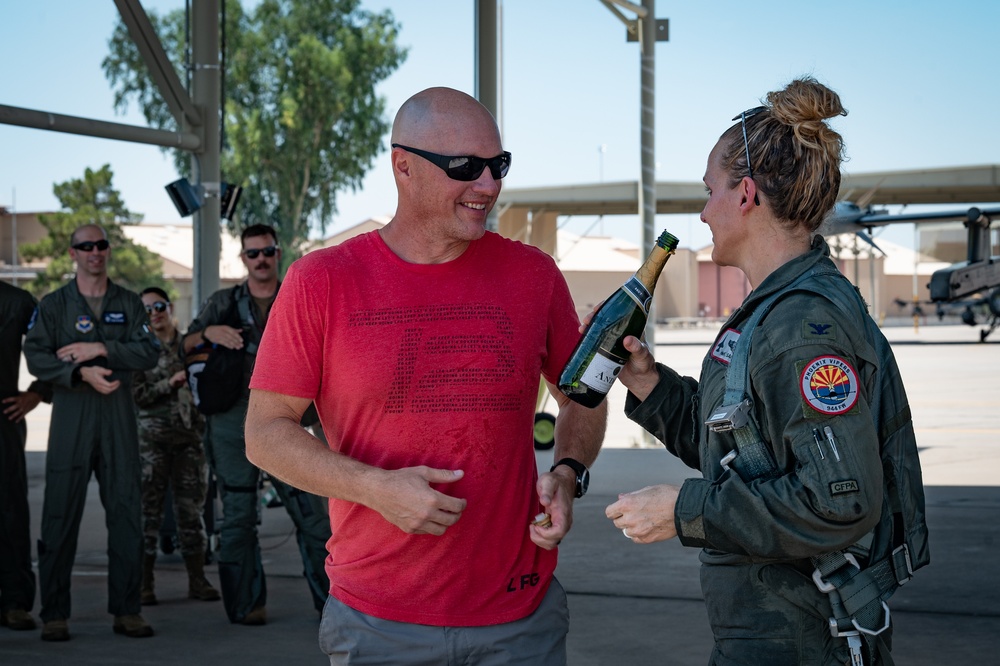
[844, 487]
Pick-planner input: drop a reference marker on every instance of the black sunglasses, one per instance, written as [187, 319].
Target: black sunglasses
[268, 251]
[464, 167]
[749, 113]
[88, 246]
[158, 306]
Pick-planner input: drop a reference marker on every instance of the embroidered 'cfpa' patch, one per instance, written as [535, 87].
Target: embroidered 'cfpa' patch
[829, 385]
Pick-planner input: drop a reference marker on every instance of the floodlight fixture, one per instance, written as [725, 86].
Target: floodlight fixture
[186, 197]
[230, 197]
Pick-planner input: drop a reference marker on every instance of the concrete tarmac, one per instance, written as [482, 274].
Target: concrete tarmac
[629, 604]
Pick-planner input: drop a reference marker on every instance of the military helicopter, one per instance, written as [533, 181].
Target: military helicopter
[978, 276]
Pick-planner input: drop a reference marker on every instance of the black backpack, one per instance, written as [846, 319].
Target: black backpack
[214, 372]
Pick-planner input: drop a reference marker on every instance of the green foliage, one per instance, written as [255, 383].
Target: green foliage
[91, 200]
[302, 120]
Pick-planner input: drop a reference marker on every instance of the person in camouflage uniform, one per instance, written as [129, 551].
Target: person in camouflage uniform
[171, 451]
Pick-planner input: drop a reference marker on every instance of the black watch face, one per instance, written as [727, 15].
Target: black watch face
[583, 482]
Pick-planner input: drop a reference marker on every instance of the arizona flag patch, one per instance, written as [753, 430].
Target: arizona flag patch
[829, 385]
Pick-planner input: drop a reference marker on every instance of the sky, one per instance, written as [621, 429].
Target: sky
[919, 85]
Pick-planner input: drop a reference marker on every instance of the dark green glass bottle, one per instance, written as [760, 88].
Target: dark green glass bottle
[600, 355]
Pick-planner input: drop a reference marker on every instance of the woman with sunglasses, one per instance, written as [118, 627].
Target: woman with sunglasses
[783, 434]
[170, 446]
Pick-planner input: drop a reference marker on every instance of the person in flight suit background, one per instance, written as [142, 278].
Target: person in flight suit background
[814, 378]
[17, 580]
[241, 574]
[87, 339]
[170, 446]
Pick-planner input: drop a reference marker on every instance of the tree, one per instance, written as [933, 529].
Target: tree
[91, 200]
[302, 120]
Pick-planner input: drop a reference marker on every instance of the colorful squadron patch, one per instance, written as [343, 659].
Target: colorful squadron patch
[84, 324]
[725, 346]
[830, 385]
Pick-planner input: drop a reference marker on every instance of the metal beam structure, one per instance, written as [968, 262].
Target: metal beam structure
[140, 29]
[197, 115]
[955, 185]
[57, 122]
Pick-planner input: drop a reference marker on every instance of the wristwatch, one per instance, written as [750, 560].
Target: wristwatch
[582, 474]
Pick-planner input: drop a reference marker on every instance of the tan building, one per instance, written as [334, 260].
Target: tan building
[691, 288]
[173, 242]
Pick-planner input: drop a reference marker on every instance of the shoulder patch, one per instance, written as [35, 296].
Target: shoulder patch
[34, 318]
[725, 346]
[829, 385]
[818, 329]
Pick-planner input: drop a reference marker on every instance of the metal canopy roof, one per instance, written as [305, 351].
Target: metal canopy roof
[973, 184]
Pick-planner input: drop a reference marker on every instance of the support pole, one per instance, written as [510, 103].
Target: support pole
[647, 190]
[488, 68]
[205, 89]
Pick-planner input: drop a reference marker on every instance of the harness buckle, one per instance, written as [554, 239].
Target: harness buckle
[853, 637]
[728, 458]
[854, 643]
[874, 632]
[906, 560]
[730, 417]
[826, 587]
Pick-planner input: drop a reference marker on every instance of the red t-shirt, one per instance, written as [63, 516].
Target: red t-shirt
[438, 365]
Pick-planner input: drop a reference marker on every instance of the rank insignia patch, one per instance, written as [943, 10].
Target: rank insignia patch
[829, 385]
[84, 324]
[815, 329]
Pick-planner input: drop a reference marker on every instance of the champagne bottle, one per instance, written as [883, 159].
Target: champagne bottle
[600, 354]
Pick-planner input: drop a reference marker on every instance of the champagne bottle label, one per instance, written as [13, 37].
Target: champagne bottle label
[637, 292]
[602, 372]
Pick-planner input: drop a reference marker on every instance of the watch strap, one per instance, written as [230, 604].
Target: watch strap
[579, 469]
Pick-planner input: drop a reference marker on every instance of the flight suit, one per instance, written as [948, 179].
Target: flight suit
[812, 375]
[91, 432]
[241, 574]
[17, 580]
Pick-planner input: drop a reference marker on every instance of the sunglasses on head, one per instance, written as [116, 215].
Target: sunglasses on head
[749, 113]
[464, 167]
[88, 246]
[268, 251]
[158, 306]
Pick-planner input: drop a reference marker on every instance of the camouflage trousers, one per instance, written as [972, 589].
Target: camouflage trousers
[178, 462]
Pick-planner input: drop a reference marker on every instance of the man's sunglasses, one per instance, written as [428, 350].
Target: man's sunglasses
[88, 246]
[268, 251]
[749, 113]
[464, 167]
[158, 306]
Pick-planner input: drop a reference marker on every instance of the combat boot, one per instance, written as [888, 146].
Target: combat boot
[198, 586]
[55, 630]
[17, 619]
[132, 626]
[148, 596]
